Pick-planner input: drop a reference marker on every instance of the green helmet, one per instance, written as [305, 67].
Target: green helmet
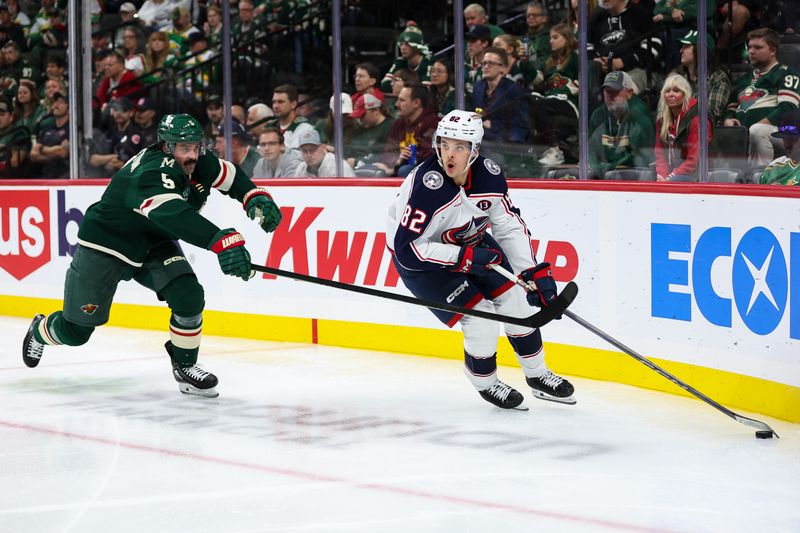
[181, 128]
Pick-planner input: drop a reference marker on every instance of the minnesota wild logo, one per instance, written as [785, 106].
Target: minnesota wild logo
[89, 309]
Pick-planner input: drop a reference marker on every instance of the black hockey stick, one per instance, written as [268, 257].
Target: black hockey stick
[761, 426]
[536, 320]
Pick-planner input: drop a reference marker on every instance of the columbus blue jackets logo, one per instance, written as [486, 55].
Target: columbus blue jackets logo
[491, 166]
[89, 309]
[470, 234]
[432, 180]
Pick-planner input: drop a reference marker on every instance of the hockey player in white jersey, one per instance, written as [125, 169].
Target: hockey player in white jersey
[437, 233]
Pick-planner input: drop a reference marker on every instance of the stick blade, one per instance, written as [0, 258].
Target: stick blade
[556, 307]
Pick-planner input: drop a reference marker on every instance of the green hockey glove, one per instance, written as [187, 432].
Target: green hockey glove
[259, 205]
[234, 259]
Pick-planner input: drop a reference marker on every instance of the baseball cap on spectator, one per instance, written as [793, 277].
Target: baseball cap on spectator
[196, 37]
[367, 101]
[146, 104]
[237, 130]
[347, 104]
[59, 96]
[618, 80]
[4, 7]
[5, 107]
[789, 126]
[123, 103]
[127, 7]
[310, 137]
[691, 38]
[477, 32]
[214, 100]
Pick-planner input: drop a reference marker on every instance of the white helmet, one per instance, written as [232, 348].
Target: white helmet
[463, 126]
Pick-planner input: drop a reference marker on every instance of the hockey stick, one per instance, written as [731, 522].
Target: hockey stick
[536, 320]
[761, 426]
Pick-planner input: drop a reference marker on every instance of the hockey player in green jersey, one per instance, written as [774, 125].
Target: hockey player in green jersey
[132, 233]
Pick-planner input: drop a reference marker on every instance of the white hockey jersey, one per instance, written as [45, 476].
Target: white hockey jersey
[432, 217]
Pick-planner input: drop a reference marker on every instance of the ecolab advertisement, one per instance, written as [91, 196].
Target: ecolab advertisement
[706, 279]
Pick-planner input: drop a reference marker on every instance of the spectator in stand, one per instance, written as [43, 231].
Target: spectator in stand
[51, 149]
[414, 126]
[18, 15]
[134, 58]
[156, 14]
[238, 113]
[213, 27]
[158, 57]
[521, 73]
[117, 81]
[18, 67]
[145, 115]
[718, 83]
[56, 69]
[248, 28]
[556, 113]
[27, 110]
[198, 81]
[51, 88]
[536, 42]
[572, 14]
[290, 124]
[500, 102]
[215, 114]
[785, 170]
[414, 56]
[179, 31]
[243, 154]
[10, 31]
[276, 161]
[257, 117]
[42, 18]
[443, 94]
[615, 32]
[763, 95]
[15, 144]
[475, 14]
[366, 82]
[318, 162]
[478, 40]
[681, 16]
[736, 24]
[349, 125]
[621, 132]
[677, 131]
[119, 142]
[368, 140]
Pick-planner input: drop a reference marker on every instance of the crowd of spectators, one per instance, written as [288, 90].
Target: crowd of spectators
[521, 78]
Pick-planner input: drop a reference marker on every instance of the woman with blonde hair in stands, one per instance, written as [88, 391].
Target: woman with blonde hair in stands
[27, 110]
[520, 72]
[52, 87]
[677, 131]
[157, 56]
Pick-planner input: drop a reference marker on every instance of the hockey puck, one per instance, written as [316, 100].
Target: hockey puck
[763, 434]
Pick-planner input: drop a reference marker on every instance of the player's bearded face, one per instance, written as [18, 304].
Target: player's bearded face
[455, 155]
[186, 154]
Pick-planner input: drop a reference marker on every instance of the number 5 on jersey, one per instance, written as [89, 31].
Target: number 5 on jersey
[413, 222]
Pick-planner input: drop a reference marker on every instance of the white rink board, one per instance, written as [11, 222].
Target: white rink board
[616, 260]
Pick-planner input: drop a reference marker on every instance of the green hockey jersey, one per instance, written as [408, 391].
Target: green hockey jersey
[765, 95]
[151, 200]
[782, 171]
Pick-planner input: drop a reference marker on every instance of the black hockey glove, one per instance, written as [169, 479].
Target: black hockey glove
[542, 278]
[234, 259]
[259, 204]
[475, 260]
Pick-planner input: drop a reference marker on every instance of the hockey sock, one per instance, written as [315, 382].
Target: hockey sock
[530, 353]
[55, 330]
[481, 371]
[185, 334]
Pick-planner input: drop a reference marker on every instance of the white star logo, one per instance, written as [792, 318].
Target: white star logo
[760, 281]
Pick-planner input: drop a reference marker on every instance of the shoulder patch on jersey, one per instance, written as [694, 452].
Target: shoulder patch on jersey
[433, 180]
[491, 166]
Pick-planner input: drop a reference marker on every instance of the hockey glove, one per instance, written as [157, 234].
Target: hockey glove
[542, 279]
[234, 259]
[259, 205]
[475, 260]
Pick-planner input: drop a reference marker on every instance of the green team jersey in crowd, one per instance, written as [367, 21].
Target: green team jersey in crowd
[151, 200]
[423, 70]
[782, 171]
[537, 48]
[765, 95]
[370, 141]
[563, 82]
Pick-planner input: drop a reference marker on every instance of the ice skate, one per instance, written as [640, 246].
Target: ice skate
[551, 387]
[192, 379]
[31, 348]
[503, 396]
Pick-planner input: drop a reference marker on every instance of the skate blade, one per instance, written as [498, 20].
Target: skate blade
[185, 388]
[569, 400]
